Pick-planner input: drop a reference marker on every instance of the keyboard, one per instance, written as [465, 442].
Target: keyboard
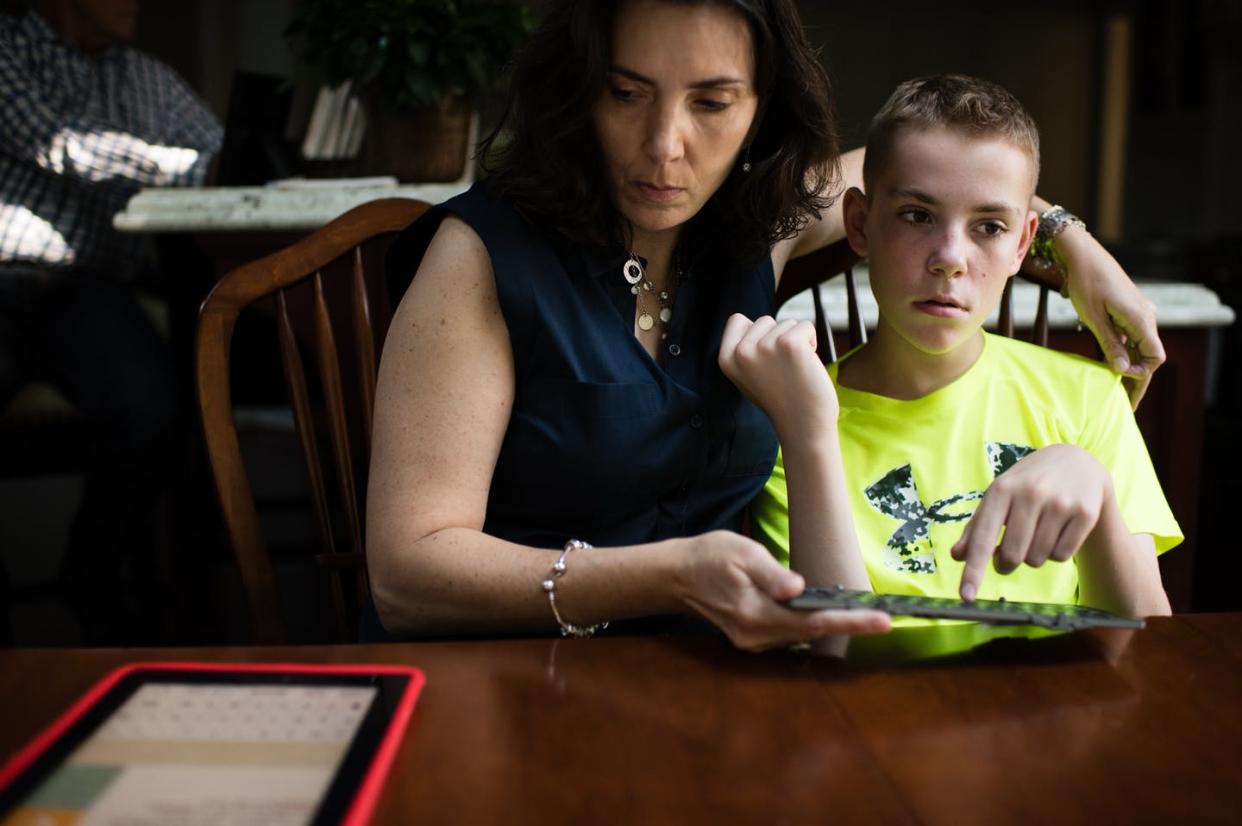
[992, 611]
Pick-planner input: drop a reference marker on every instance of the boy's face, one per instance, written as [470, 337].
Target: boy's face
[948, 223]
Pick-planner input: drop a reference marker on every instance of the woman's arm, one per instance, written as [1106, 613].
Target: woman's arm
[1121, 318]
[446, 388]
[829, 227]
[443, 400]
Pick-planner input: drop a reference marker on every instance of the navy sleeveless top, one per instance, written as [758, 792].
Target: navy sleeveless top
[604, 444]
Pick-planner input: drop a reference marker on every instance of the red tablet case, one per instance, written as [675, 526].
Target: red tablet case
[365, 797]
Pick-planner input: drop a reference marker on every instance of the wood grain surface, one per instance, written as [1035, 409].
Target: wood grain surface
[914, 727]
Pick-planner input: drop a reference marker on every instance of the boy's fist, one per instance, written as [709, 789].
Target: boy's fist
[774, 364]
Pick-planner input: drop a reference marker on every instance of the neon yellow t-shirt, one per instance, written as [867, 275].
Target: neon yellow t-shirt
[917, 469]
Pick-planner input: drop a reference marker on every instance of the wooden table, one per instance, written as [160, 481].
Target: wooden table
[1087, 728]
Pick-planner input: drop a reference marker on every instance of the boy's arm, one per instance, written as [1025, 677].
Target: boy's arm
[823, 544]
[1054, 504]
[775, 365]
[1118, 571]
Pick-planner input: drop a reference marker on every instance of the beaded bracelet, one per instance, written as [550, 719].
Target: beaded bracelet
[568, 629]
[1052, 222]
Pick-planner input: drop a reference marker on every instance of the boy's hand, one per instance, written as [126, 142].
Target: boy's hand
[774, 364]
[1048, 503]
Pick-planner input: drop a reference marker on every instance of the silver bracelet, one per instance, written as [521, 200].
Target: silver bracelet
[568, 629]
[1052, 222]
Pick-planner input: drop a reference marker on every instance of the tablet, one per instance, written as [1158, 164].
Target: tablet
[192, 743]
[996, 612]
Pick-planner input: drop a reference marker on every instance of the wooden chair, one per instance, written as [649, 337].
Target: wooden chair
[809, 271]
[327, 294]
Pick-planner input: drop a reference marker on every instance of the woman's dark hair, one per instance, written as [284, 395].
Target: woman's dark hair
[544, 156]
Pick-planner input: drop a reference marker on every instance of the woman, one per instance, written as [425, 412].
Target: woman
[551, 374]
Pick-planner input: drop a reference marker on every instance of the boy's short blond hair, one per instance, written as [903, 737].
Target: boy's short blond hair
[975, 106]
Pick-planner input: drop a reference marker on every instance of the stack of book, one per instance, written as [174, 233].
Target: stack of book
[337, 125]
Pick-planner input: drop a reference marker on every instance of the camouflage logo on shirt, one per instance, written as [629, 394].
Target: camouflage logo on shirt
[1002, 456]
[910, 547]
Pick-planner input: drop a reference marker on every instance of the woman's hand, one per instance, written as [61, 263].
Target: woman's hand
[774, 364]
[734, 583]
[1121, 318]
[1048, 504]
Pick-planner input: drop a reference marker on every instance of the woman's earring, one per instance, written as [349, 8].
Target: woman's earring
[746, 159]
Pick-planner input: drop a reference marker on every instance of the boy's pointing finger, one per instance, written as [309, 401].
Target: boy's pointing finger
[978, 542]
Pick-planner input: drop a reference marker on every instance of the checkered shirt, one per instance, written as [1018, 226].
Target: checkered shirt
[78, 136]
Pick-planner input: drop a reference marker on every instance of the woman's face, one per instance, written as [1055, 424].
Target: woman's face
[678, 104]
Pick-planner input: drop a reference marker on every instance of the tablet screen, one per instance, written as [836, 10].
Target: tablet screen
[187, 747]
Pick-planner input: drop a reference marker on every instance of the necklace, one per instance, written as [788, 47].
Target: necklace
[643, 288]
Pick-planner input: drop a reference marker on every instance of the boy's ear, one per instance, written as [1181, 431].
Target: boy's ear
[1028, 235]
[854, 209]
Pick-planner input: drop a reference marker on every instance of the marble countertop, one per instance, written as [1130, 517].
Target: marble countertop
[263, 208]
[308, 205]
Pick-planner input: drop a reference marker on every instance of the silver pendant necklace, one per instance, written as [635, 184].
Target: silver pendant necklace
[641, 286]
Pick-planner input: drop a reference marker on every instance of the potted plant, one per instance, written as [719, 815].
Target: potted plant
[418, 67]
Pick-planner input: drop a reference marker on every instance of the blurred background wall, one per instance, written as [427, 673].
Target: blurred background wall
[1180, 62]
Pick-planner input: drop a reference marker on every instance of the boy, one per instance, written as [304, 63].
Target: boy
[934, 436]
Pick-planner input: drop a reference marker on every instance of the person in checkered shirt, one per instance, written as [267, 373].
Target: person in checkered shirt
[87, 122]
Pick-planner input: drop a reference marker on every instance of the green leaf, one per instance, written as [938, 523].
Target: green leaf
[419, 51]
